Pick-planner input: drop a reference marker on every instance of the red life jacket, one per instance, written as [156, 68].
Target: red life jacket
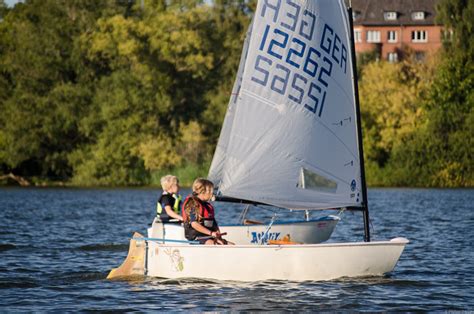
[206, 210]
[206, 213]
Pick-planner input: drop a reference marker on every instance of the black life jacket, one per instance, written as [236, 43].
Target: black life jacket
[160, 206]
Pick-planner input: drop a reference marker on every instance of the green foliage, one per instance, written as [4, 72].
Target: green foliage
[458, 16]
[186, 173]
[390, 96]
[418, 118]
[365, 58]
[107, 93]
[444, 142]
[442, 146]
[123, 92]
[41, 101]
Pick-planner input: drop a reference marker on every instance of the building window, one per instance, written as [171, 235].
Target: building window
[447, 35]
[419, 36]
[419, 55]
[390, 16]
[373, 36]
[357, 36]
[392, 36]
[392, 57]
[418, 15]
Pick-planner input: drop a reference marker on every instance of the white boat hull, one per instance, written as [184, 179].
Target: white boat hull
[279, 262]
[313, 231]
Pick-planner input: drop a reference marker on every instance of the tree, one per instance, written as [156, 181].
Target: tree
[40, 98]
[152, 73]
[440, 152]
[232, 19]
[109, 92]
[390, 95]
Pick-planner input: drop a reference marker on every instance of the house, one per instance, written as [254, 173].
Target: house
[392, 27]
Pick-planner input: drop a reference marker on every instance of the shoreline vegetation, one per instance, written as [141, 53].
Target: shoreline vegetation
[186, 175]
[119, 93]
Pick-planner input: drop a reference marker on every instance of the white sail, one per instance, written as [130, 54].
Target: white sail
[290, 138]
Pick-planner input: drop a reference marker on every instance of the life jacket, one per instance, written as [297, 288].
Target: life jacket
[205, 218]
[160, 206]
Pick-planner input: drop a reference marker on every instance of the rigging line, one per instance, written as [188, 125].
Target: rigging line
[270, 208]
[243, 214]
[372, 225]
[164, 240]
[265, 234]
[341, 212]
[274, 105]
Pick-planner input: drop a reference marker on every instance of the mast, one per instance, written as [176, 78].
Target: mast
[359, 130]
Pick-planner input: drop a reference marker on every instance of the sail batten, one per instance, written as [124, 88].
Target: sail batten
[289, 138]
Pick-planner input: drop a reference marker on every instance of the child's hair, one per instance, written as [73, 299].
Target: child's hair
[200, 185]
[191, 204]
[168, 181]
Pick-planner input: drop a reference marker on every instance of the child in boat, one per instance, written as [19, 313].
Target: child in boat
[198, 214]
[169, 204]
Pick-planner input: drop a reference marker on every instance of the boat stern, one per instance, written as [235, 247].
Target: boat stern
[134, 264]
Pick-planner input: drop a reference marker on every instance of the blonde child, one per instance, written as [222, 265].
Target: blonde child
[169, 204]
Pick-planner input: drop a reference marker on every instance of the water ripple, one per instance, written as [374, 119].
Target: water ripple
[52, 257]
[104, 247]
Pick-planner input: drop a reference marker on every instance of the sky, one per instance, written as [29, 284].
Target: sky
[10, 3]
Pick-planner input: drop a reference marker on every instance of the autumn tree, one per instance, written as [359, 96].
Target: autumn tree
[440, 152]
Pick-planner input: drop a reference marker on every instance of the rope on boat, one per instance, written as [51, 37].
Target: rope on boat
[177, 241]
[339, 214]
[165, 240]
[265, 234]
[244, 213]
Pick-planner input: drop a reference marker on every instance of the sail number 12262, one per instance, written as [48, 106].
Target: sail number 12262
[300, 70]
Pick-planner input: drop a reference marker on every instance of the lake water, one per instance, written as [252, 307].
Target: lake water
[58, 245]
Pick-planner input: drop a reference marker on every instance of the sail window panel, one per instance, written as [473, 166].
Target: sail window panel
[310, 180]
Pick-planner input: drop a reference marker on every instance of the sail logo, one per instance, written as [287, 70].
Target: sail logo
[301, 58]
[259, 237]
[353, 185]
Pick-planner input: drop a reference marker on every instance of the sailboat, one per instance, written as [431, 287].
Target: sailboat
[311, 230]
[292, 139]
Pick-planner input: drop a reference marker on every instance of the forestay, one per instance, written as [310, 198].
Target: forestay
[290, 134]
